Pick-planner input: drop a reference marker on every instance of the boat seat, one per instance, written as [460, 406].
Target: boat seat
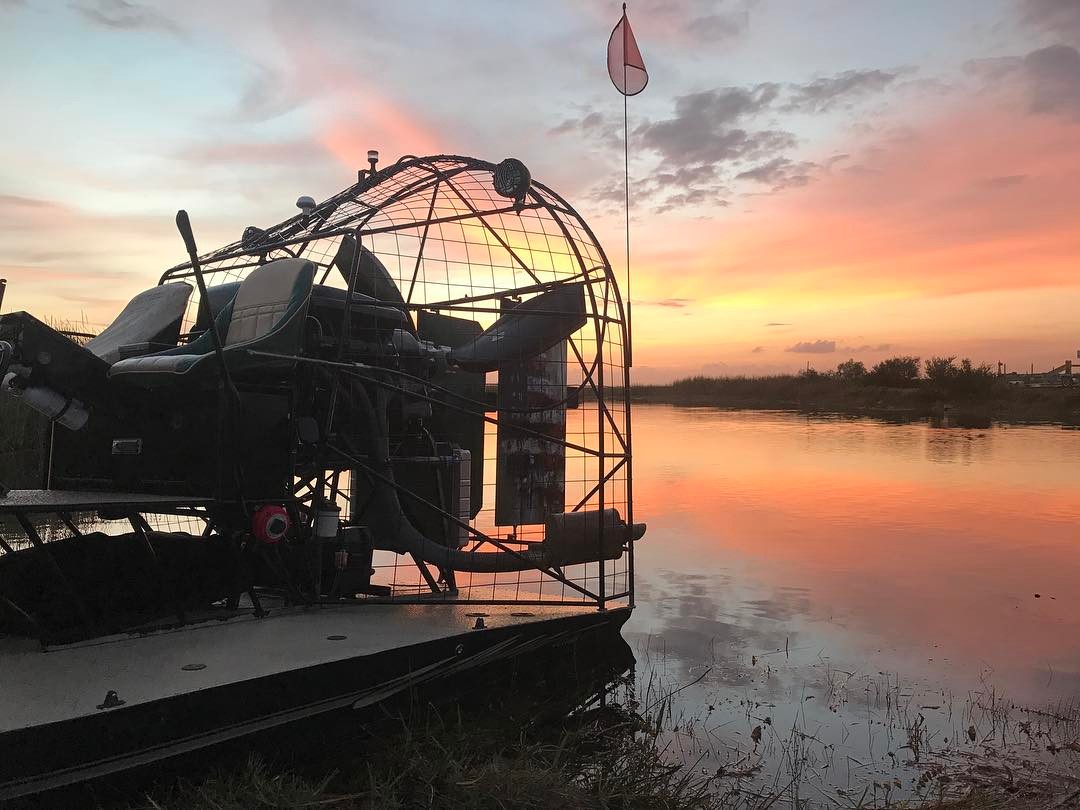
[219, 296]
[267, 313]
[150, 321]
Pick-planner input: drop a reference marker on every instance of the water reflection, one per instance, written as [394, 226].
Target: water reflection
[816, 563]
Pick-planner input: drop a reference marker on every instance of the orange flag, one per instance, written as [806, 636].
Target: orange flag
[624, 63]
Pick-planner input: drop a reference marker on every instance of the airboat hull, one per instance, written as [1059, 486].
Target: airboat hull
[188, 689]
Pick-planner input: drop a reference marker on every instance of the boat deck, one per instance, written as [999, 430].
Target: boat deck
[42, 501]
[70, 681]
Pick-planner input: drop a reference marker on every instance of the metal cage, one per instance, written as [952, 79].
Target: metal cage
[455, 245]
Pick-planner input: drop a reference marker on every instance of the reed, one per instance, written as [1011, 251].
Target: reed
[604, 757]
[627, 755]
[832, 393]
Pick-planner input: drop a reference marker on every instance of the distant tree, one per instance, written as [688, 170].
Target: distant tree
[811, 374]
[963, 379]
[972, 379]
[941, 370]
[851, 370]
[896, 372]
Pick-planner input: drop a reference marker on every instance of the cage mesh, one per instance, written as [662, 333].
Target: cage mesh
[454, 246]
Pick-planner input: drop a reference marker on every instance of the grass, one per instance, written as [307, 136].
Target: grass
[606, 756]
[603, 757]
[829, 393]
[455, 766]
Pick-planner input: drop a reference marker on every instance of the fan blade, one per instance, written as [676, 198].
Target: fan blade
[531, 328]
[372, 279]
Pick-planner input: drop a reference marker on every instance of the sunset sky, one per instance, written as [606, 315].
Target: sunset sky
[812, 180]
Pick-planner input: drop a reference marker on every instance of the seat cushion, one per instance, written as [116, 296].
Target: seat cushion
[152, 316]
[156, 364]
[266, 296]
[219, 296]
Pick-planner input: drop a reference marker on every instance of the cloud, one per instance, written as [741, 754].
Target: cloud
[608, 193]
[685, 176]
[14, 201]
[1004, 181]
[1053, 75]
[757, 350]
[1060, 17]
[813, 347]
[777, 323]
[270, 93]
[676, 303]
[868, 347]
[591, 123]
[684, 187]
[713, 28]
[694, 197]
[710, 140]
[702, 129]
[123, 15]
[922, 227]
[779, 173]
[1047, 79]
[825, 93]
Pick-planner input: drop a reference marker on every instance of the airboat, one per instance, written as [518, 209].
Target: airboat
[383, 443]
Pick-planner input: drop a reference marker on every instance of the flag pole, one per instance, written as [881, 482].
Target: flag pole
[629, 321]
[626, 187]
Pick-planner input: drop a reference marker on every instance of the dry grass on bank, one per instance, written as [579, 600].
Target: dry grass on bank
[832, 394]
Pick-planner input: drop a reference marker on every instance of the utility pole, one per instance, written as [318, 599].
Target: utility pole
[3, 288]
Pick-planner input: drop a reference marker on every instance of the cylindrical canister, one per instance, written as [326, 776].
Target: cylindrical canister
[66, 411]
[327, 517]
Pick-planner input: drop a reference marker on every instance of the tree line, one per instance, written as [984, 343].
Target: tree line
[944, 373]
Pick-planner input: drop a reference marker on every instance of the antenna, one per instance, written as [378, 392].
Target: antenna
[305, 204]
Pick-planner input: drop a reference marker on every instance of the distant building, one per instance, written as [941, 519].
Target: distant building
[1067, 374]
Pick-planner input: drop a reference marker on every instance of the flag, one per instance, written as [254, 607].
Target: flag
[624, 63]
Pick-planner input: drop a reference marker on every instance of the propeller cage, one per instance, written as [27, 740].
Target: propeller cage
[479, 369]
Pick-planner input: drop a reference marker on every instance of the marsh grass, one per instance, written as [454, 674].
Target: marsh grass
[605, 756]
[634, 745]
[462, 770]
[830, 393]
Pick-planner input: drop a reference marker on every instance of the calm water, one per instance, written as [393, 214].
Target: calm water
[854, 580]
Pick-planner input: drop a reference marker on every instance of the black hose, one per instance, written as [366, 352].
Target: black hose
[390, 527]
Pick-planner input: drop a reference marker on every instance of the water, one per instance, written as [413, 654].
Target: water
[888, 591]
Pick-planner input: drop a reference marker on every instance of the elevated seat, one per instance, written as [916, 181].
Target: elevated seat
[220, 296]
[149, 322]
[267, 313]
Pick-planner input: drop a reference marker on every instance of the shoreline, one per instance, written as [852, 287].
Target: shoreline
[1001, 404]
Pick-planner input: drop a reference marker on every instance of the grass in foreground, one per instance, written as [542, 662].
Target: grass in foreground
[604, 758]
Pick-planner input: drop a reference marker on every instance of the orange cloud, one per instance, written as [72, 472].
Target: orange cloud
[375, 122]
[960, 226]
